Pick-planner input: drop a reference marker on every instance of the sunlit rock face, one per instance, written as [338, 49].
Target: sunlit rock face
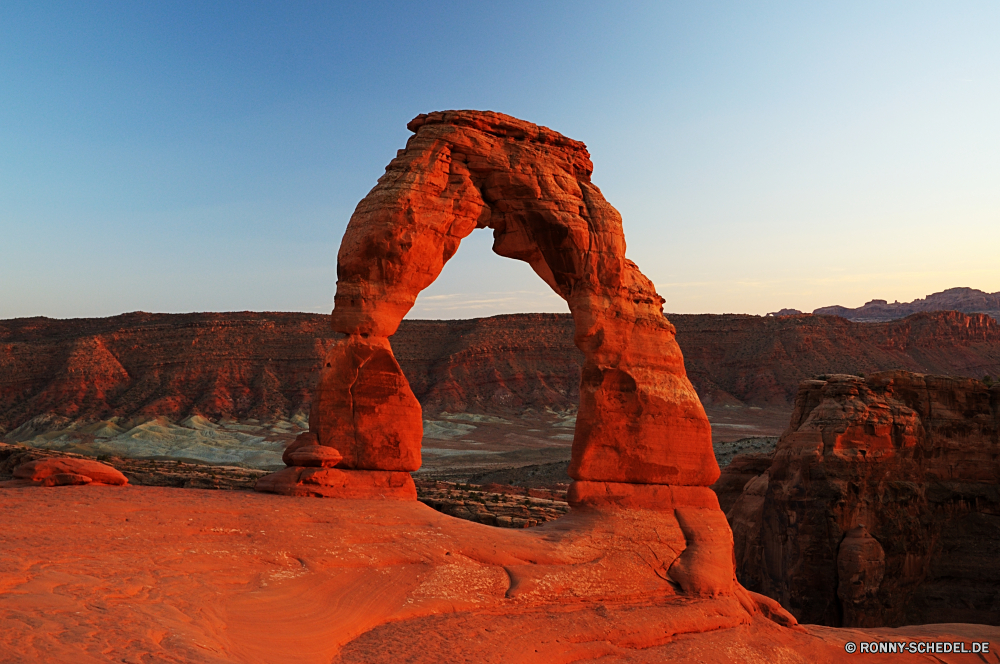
[640, 420]
[881, 506]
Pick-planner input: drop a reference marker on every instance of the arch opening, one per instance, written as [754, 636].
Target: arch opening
[639, 420]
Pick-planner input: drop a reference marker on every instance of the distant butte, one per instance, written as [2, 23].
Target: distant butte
[965, 300]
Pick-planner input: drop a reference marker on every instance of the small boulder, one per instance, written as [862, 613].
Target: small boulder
[305, 439]
[62, 471]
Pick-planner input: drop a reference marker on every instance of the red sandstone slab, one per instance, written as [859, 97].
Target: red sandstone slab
[68, 470]
[152, 574]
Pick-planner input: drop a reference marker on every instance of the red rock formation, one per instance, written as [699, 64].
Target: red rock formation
[915, 459]
[263, 365]
[364, 408]
[68, 471]
[639, 419]
[743, 468]
[158, 574]
[315, 456]
[305, 439]
[761, 361]
[860, 571]
[239, 365]
[308, 480]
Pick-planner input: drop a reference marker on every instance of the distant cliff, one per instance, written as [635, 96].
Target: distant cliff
[263, 365]
[966, 300]
[761, 360]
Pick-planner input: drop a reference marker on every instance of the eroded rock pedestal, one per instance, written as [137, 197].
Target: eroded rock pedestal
[881, 505]
[640, 421]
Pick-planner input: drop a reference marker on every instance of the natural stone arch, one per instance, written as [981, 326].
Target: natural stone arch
[639, 421]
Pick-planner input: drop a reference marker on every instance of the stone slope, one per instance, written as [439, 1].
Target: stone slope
[184, 575]
[966, 300]
[262, 365]
[880, 506]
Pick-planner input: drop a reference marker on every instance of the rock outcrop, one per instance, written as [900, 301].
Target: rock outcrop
[642, 455]
[966, 300]
[65, 472]
[214, 577]
[881, 506]
[640, 420]
[334, 483]
[760, 361]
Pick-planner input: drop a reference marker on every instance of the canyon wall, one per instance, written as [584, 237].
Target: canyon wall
[755, 360]
[263, 365]
[881, 505]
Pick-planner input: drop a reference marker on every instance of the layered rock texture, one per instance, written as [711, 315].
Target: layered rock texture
[754, 360]
[639, 421]
[881, 505]
[262, 366]
[213, 577]
[967, 300]
[64, 472]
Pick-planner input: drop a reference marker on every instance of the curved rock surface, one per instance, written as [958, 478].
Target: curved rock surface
[209, 577]
[881, 505]
[639, 418]
[68, 471]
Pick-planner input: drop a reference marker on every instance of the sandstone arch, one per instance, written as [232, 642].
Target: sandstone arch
[639, 421]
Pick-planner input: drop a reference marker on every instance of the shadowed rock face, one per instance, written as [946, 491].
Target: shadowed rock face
[640, 420]
[881, 506]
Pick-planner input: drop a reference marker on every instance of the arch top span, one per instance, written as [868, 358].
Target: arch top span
[463, 170]
[639, 421]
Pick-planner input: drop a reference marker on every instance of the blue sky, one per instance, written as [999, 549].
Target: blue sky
[207, 156]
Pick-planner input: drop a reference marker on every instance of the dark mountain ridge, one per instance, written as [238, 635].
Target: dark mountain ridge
[966, 300]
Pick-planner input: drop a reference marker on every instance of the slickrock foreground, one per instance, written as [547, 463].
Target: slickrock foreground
[97, 574]
[881, 505]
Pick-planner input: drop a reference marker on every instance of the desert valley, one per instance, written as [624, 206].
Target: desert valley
[609, 485]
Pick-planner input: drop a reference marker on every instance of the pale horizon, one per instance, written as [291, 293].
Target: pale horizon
[193, 157]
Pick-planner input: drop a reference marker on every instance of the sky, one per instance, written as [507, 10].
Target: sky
[207, 156]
